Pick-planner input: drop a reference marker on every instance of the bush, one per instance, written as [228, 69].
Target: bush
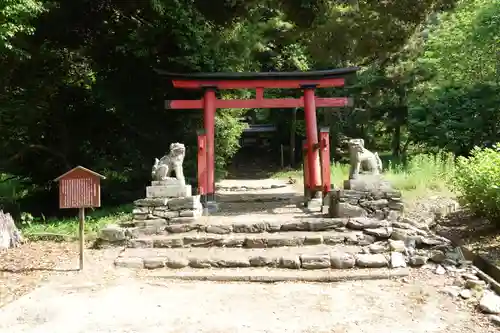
[477, 181]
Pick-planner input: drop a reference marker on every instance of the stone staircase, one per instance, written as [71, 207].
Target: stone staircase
[252, 237]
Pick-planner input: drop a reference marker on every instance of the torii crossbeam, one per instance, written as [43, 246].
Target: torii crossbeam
[307, 81]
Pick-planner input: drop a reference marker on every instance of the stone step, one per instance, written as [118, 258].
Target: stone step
[307, 257]
[267, 274]
[251, 240]
[239, 224]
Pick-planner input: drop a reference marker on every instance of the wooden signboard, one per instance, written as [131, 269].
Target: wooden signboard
[80, 188]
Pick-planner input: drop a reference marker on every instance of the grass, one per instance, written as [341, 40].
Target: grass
[421, 175]
[67, 229]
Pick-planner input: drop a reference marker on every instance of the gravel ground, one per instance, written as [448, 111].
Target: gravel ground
[128, 304]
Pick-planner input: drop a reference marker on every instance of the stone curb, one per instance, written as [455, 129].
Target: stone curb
[486, 270]
[342, 277]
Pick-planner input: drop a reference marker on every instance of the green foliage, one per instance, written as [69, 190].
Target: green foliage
[477, 180]
[16, 18]
[458, 106]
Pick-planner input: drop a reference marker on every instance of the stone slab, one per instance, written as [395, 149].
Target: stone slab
[307, 257]
[167, 182]
[276, 275]
[169, 191]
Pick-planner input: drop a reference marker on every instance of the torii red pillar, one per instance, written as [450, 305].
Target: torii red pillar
[209, 124]
[312, 137]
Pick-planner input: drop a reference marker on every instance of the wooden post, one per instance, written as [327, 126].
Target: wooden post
[81, 235]
[282, 157]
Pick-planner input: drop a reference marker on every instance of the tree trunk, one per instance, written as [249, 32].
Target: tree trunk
[10, 236]
[396, 141]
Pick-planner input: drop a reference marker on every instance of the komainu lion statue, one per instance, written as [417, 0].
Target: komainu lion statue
[360, 156]
[164, 166]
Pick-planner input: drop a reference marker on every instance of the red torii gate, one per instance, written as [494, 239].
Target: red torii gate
[308, 81]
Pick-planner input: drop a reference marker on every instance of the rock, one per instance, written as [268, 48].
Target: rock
[397, 245]
[437, 257]
[375, 204]
[190, 213]
[219, 229]
[402, 234]
[262, 261]
[362, 223]
[233, 241]
[187, 203]
[289, 261]
[199, 241]
[112, 233]
[417, 261]
[250, 228]
[157, 223]
[131, 262]
[200, 263]
[132, 232]
[465, 294]
[256, 243]
[371, 260]
[231, 263]
[475, 284]
[495, 320]
[312, 239]
[341, 260]
[379, 232]
[151, 202]
[334, 238]
[311, 261]
[490, 303]
[180, 228]
[177, 263]
[397, 260]
[140, 243]
[166, 214]
[154, 262]
[467, 276]
[393, 216]
[399, 206]
[453, 291]
[440, 270]
[364, 240]
[377, 248]
[164, 242]
[325, 224]
[343, 210]
[141, 210]
[449, 262]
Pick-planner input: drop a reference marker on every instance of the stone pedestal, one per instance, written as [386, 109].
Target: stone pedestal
[366, 196]
[169, 200]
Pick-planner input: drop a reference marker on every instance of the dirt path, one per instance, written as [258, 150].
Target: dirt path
[123, 303]
[104, 299]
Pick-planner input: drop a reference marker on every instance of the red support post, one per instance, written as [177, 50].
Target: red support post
[209, 124]
[202, 163]
[324, 146]
[307, 183]
[312, 138]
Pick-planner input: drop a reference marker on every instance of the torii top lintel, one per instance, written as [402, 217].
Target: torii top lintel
[290, 80]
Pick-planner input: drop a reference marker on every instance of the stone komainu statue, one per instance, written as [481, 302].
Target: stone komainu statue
[164, 166]
[362, 157]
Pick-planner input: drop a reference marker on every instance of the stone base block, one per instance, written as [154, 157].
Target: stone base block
[368, 183]
[168, 191]
[168, 182]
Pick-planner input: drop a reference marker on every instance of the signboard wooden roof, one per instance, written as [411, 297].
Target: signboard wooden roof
[79, 168]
